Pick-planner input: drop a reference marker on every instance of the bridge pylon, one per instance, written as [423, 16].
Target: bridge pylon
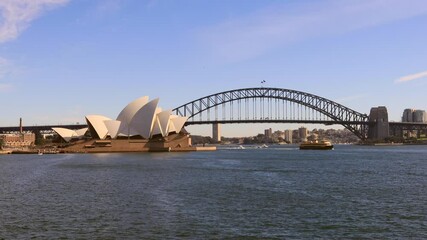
[378, 123]
[216, 132]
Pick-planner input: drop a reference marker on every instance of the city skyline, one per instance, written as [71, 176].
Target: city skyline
[61, 60]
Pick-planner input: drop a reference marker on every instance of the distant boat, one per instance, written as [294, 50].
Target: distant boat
[262, 146]
[5, 151]
[241, 147]
[316, 145]
[388, 144]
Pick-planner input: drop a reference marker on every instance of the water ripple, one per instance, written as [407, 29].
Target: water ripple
[353, 192]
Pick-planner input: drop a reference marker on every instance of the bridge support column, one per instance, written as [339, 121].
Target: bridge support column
[378, 123]
[216, 132]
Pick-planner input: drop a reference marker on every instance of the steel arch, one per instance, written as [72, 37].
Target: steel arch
[352, 120]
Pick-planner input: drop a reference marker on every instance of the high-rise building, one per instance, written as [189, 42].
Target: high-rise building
[407, 115]
[288, 136]
[268, 134]
[412, 115]
[419, 116]
[302, 132]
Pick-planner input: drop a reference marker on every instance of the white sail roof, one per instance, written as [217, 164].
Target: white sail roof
[171, 126]
[139, 117]
[143, 119]
[126, 115]
[65, 133]
[81, 132]
[112, 127]
[164, 120]
[156, 128]
[69, 134]
[178, 122]
[97, 123]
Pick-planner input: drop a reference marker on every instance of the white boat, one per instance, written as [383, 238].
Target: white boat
[262, 146]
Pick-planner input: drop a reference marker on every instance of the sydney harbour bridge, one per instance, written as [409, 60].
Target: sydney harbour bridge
[277, 105]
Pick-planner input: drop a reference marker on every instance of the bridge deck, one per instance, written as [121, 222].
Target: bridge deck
[42, 128]
[404, 125]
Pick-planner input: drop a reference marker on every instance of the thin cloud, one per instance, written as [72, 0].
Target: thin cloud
[16, 15]
[5, 87]
[283, 24]
[411, 77]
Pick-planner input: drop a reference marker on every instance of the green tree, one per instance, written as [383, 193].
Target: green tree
[39, 139]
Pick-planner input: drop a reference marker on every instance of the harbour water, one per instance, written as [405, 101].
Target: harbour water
[352, 192]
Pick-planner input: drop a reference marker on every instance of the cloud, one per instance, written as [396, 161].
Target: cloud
[286, 23]
[16, 15]
[411, 77]
[5, 87]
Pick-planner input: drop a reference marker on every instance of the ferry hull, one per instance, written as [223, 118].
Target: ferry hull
[316, 147]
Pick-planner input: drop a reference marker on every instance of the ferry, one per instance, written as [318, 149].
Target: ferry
[316, 145]
[5, 151]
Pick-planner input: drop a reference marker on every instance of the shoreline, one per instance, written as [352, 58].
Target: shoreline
[146, 150]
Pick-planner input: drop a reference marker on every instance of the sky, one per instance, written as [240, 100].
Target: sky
[63, 59]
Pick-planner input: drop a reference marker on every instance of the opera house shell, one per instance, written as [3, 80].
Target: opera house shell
[139, 119]
[68, 134]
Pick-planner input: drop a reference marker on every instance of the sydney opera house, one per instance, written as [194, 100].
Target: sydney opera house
[140, 126]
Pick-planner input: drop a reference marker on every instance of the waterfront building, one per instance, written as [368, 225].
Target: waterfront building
[407, 115]
[141, 118]
[420, 116]
[412, 115]
[278, 136]
[302, 133]
[288, 136]
[18, 140]
[268, 134]
[141, 126]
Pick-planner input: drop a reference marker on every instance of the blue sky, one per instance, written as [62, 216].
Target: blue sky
[61, 60]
